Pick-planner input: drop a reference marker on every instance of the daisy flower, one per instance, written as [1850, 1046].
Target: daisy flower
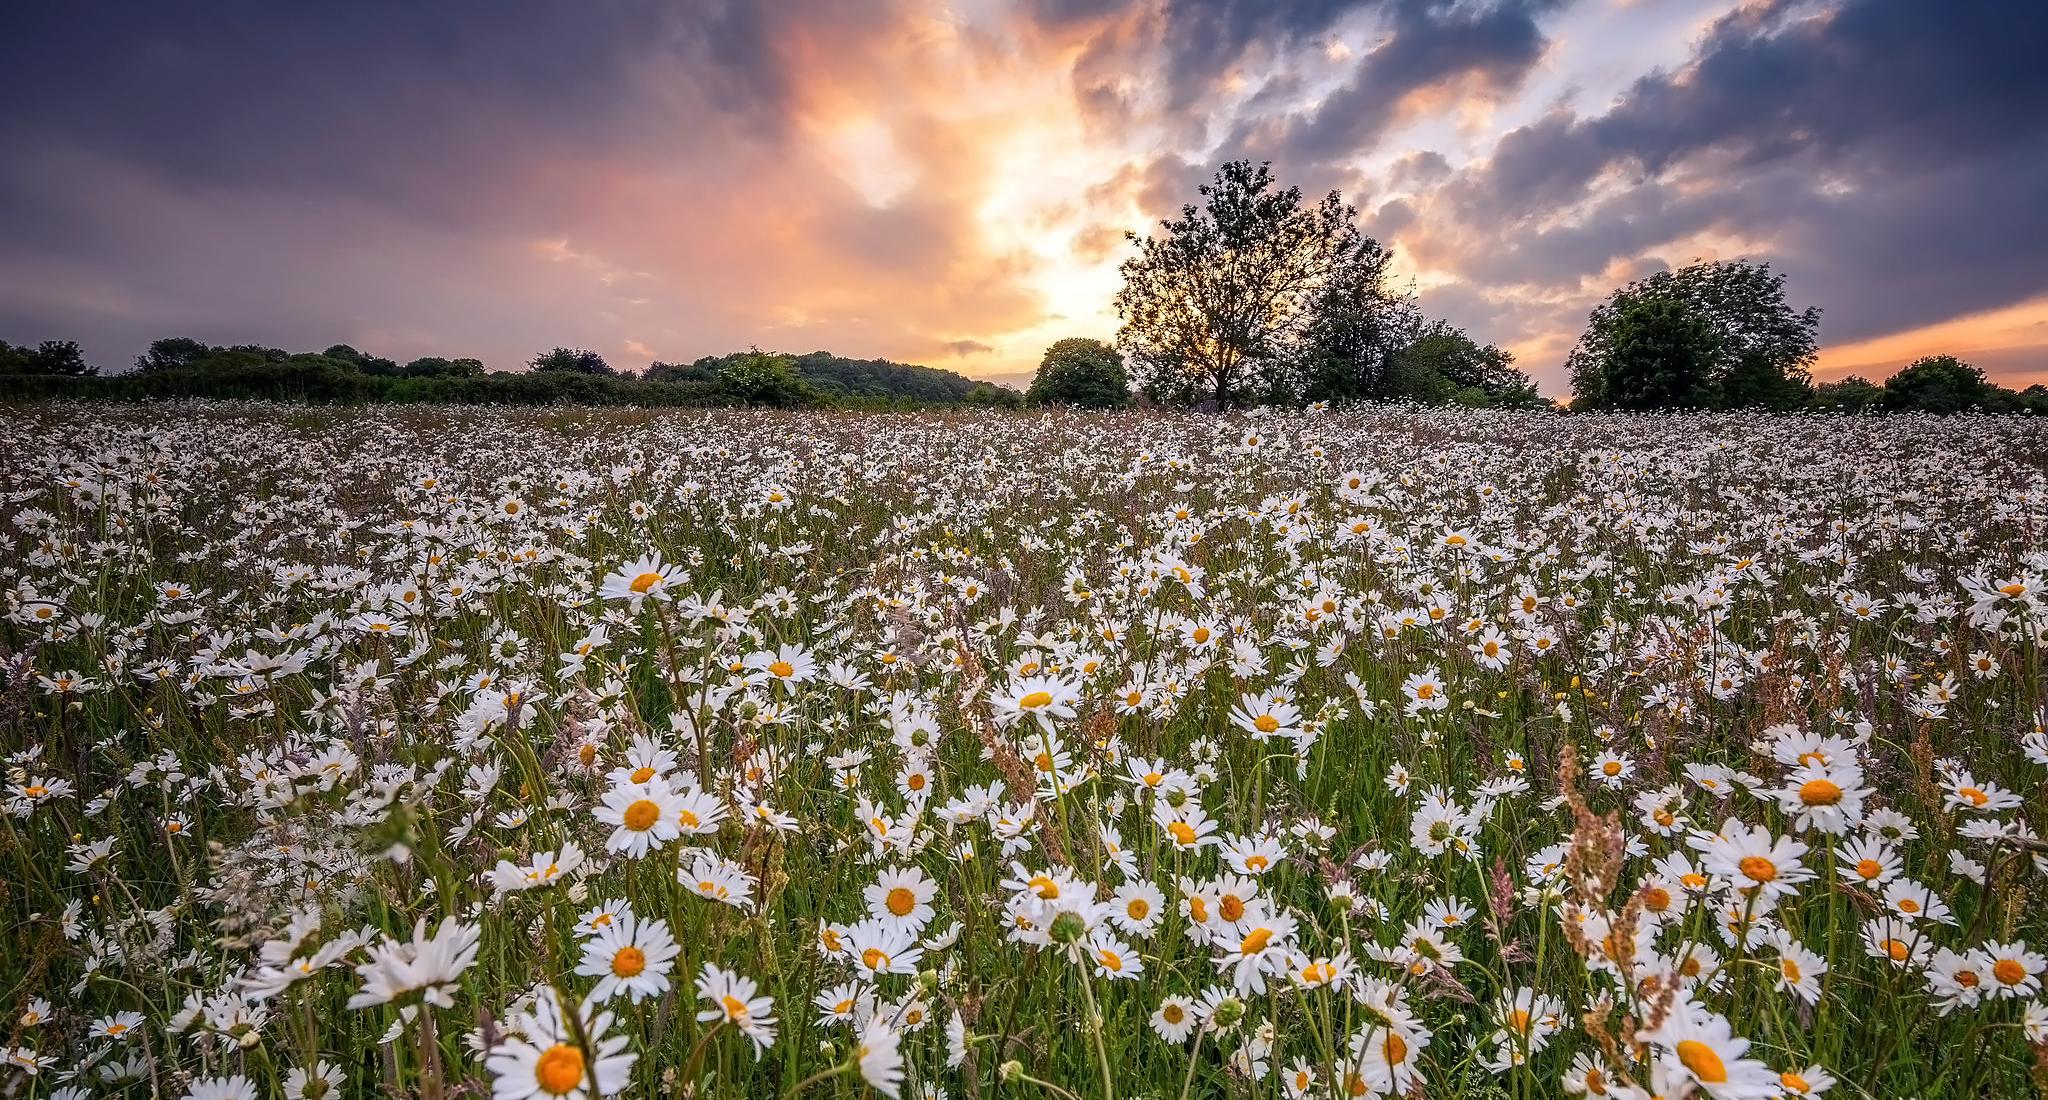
[631, 955]
[880, 1057]
[644, 815]
[643, 579]
[733, 1001]
[542, 1059]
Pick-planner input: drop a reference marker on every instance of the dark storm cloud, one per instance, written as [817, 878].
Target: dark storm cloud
[384, 100]
[1894, 154]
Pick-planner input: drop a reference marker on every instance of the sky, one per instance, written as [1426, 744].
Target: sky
[950, 183]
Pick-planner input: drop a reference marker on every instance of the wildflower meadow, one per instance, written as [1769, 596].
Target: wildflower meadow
[1427, 753]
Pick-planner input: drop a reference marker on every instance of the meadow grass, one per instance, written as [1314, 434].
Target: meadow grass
[1386, 752]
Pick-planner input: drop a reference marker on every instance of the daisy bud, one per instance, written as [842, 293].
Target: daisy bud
[1227, 1012]
[1009, 1069]
[1068, 927]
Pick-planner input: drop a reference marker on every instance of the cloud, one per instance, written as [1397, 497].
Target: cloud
[1889, 155]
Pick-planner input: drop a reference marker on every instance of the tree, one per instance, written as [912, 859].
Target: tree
[1442, 364]
[170, 353]
[1250, 292]
[55, 357]
[1937, 384]
[755, 377]
[1851, 394]
[1083, 372]
[1758, 351]
[573, 361]
[1658, 356]
[988, 395]
[434, 366]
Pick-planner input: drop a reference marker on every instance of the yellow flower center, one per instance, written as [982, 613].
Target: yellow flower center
[901, 901]
[1395, 1048]
[629, 962]
[2009, 971]
[687, 819]
[1425, 691]
[1256, 864]
[1183, 833]
[782, 669]
[559, 1069]
[1109, 960]
[1975, 796]
[1790, 968]
[1255, 942]
[1231, 908]
[642, 775]
[1044, 887]
[1758, 868]
[1265, 723]
[874, 958]
[1137, 908]
[1035, 700]
[1908, 905]
[644, 581]
[734, 1007]
[1702, 1061]
[640, 816]
[1794, 1083]
[1172, 1014]
[1612, 767]
[1897, 949]
[1819, 792]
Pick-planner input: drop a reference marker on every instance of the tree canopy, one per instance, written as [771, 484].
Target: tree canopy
[1715, 334]
[1252, 295]
[51, 357]
[573, 361]
[1081, 372]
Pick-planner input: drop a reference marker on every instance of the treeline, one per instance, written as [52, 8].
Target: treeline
[181, 367]
[1720, 335]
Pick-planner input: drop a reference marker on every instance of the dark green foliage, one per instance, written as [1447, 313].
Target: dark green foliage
[1659, 356]
[1851, 394]
[1441, 364]
[757, 378]
[843, 377]
[1080, 372]
[990, 396]
[1736, 343]
[572, 361]
[173, 352]
[433, 366]
[1938, 384]
[659, 371]
[55, 358]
